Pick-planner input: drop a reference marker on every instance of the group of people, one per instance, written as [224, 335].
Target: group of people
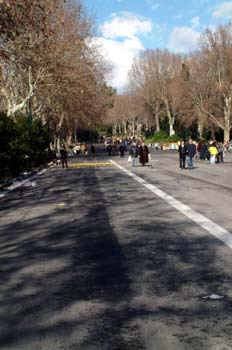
[118, 147]
[82, 149]
[62, 155]
[139, 152]
[212, 151]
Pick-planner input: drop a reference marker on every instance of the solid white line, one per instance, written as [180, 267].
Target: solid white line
[214, 229]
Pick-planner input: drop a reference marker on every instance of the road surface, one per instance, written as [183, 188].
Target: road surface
[94, 258]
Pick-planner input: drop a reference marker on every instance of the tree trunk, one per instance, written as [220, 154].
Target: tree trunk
[171, 118]
[212, 134]
[114, 129]
[69, 140]
[58, 143]
[157, 119]
[226, 135]
[55, 142]
[171, 129]
[13, 107]
[227, 118]
[124, 128]
[200, 128]
[58, 129]
[133, 126]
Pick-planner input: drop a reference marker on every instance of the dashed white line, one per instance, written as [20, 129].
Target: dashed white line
[214, 229]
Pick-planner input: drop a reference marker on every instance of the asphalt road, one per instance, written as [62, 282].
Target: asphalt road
[90, 259]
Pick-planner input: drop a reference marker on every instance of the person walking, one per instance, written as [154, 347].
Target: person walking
[143, 154]
[220, 155]
[191, 152]
[64, 156]
[121, 149]
[109, 149]
[213, 151]
[204, 151]
[134, 152]
[182, 154]
[83, 149]
[92, 150]
[199, 147]
[114, 149]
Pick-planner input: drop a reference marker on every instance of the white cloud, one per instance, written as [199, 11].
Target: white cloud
[125, 25]
[121, 43]
[183, 39]
[195, 22]
[224, 10]
[121, 54]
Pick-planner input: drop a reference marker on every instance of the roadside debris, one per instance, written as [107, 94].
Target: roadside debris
[213, 297]
[14, 185]
[30, 184]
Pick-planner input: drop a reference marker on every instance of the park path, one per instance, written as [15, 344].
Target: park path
[90, 260]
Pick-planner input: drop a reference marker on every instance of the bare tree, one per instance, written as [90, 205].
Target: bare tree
[125, 114]
[51, 63]
[152, 74]
[212, 78]
[142, 83]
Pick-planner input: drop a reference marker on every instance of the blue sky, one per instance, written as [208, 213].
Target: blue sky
[128, 26]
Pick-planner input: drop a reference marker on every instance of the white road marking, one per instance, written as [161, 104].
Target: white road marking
[214, 229]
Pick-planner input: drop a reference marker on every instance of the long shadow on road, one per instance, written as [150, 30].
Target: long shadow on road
[73, 280]
[64, 272]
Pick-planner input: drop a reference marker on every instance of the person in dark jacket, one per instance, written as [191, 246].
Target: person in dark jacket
[92, 150]
[121, 149]
[64, 156]
[109, 149]
[143, 154]
[204, 151]
[182, 154]
[191, 152]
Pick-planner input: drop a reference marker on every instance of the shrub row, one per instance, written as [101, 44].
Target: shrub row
[162, 136]
[24, 144]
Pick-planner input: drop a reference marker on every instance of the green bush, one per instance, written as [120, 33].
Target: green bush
[174, 138]
[160, 136]
[23, 144]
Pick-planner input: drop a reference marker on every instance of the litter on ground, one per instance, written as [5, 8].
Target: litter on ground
[213, 297]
